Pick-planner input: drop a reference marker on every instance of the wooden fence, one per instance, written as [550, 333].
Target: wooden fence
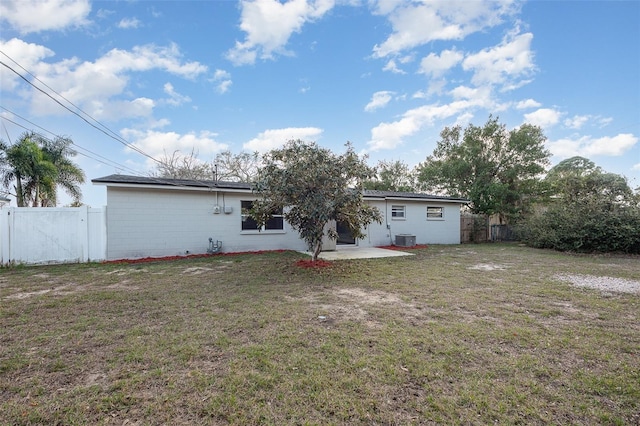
[482, 229]
[474, 229]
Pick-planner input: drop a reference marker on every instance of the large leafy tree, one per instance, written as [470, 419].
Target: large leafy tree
[496, 169]
[588, 210]
[578, 179]
[313, 187]
[392, 176]
[34, 167]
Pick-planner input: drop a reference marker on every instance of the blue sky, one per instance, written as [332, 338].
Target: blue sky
[386, 75]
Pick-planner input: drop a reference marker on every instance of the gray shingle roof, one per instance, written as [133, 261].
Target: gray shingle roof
[144, 180]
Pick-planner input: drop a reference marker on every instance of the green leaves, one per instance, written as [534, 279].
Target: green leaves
[498, 170]
[35, 167]
[314, 186]
[588, 210]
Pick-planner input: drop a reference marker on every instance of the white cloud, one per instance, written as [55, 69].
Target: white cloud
[175, 98]
[156, 143]
[505, 64]
[577, 121]
[415, 24]
[96, 86]
[392, 67]
[224, 86]
[437, 65]
[268, 24]
[378, 100]
[528, 103]
[390, 135]
[32, 16]
[128, 23]
[604, 121]
[465, 92]
[28, 55]
[543, 117]
[587, 146]
[223, 81]
[221, 75]
[275, 138]
[636, 167]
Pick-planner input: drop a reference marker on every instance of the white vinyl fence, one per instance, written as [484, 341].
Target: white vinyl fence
[36, 235]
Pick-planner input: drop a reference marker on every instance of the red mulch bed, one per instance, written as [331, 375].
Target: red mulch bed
[310, 264]
[417, 246]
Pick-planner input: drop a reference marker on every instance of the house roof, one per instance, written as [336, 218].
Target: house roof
[134, 181]
[126, 180]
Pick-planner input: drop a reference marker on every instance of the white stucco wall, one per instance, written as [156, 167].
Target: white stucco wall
[156, 222]
[144, 222]
[427, 231]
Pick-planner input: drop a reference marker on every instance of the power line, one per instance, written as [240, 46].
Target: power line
[108, 133]
[159, 180]
[110, 163]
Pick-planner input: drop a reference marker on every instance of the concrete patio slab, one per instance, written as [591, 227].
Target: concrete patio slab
[359, 253]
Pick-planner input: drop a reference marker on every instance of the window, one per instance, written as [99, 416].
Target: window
[275, 222]
[435, 213]
[397, 212]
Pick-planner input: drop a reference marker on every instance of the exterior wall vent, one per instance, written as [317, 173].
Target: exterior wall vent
[405, 240]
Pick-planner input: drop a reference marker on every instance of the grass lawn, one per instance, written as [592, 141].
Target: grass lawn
[471, 334]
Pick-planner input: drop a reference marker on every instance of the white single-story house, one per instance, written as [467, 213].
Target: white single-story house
[155, 217]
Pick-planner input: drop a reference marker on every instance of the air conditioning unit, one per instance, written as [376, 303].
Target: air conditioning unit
[405, 240]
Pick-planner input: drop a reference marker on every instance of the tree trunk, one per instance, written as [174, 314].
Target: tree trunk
[316, 251]
[19, 194]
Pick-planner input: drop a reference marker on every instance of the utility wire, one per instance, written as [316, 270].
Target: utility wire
[159, 180]
[59, 94]
[106, 161]
[118, 139]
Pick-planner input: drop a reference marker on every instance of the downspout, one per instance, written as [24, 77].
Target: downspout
[386, 219]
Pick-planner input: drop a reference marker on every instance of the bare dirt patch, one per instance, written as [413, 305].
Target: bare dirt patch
[354, 304]
[488, 267]
[197, 270]
[604, 284]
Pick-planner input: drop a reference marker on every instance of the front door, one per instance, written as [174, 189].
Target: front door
[344, 234]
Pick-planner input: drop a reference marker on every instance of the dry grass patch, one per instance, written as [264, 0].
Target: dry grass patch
[426, 339]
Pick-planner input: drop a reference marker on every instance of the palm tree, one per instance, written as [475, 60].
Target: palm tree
[69, 175]
[35, 167]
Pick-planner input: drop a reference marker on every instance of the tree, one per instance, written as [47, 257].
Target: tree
[179, 166]
[313, 186]
[578, 179]
[392, 176]
[34, 167]
[226, 166]
[241, 167]
[68, 175]
[497, 170]
[588, 210]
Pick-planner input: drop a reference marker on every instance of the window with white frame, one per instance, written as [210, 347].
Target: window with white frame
[275, 222]
[398, 212]
[434, 213]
